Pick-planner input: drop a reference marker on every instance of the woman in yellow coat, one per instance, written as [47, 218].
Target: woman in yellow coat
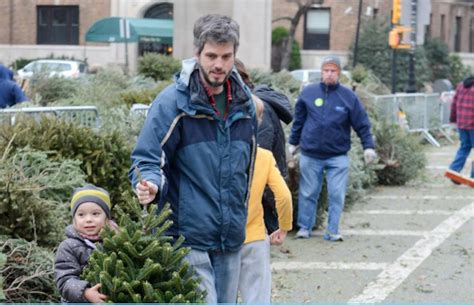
[255, 273]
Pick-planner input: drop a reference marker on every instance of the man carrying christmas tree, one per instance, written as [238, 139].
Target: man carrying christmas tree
[197, 150]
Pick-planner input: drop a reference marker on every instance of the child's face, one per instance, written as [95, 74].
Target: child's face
[89, 218]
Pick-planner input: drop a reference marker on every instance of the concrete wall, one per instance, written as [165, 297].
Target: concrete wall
[96, 55]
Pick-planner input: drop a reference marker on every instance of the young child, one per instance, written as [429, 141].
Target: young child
[90, 207]
[255, 273]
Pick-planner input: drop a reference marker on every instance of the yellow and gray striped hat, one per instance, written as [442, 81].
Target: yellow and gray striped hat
[91, 193]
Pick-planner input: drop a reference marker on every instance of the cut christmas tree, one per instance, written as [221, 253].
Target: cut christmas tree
[139, 264]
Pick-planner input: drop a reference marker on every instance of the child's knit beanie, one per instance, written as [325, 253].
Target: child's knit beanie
[91, 193]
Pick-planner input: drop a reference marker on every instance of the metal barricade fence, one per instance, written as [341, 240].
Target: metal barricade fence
[139, 109]
[87, 116]
[417, 112]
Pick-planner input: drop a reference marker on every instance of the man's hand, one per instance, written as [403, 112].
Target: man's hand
[146, 191]
[94, 296]
[293, 149]
[278, 237]
[369, 156]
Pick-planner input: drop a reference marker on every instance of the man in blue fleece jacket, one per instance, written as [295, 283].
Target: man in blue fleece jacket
[324, 115]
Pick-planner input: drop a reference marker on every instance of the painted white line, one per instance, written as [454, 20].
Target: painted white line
[401, 212]
[280, 266]
[426, 197]
[450, 154]
[394, 274]
[369, 232]
[442, 167]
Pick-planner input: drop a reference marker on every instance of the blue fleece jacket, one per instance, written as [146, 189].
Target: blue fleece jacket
[10, 92]
[323, 119]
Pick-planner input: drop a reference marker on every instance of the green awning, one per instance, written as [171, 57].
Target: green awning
[120, 29]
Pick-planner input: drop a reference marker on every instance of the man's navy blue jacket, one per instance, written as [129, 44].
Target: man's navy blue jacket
[323, 119]
[202, 165]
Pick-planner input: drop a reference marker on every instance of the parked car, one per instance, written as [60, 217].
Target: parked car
[308, 76]
[55, 67]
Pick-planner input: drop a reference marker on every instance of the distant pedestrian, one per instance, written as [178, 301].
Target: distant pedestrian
[10, 92]
[462, 113]
[324, 115]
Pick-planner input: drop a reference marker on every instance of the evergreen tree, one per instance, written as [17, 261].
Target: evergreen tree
[138, 263]
[375, 54]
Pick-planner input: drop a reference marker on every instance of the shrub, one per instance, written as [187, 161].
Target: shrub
[401, 154]
[295, 61]
[143, 96]
[28, 273]
[437, 52]
[359, 73]
[279, 35]
[34, 192]
[104, 157]
[458, 71]
[46, 90]
[20, 63]
[158, 66]
[282, 81]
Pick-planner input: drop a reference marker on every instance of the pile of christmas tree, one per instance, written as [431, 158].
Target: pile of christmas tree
[137, 263]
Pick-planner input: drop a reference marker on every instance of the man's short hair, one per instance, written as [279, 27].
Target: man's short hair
[215, 28]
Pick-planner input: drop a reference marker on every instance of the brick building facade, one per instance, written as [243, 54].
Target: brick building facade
[453, 22]
[19, 26]
[335, 23]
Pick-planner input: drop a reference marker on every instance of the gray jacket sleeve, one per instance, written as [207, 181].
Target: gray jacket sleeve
[67, 271]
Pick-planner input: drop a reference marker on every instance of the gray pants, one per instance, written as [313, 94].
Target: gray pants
[255, 281]
[218, 272]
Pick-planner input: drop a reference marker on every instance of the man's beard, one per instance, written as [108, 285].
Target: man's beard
[214, 84]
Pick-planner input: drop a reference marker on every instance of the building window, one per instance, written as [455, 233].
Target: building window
[443, 28]
[375, 13]
[457, 34]
[316, 29]
[58, 25]
[149, 45]
[160, 11]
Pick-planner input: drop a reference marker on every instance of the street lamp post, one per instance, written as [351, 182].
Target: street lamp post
[356, 45]
[411, 86]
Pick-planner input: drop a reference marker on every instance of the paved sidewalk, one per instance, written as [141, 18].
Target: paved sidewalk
[410, 244]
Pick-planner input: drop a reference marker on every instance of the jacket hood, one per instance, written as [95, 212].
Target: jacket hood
[4, 73]
[189, 80]
[277, 100]
[468, 82]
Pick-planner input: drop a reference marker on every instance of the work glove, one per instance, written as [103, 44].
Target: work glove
[293, 149]
[369, 156]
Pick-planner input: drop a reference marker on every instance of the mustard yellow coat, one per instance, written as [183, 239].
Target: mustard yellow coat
[267, 173]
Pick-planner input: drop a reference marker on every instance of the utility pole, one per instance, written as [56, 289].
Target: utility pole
[411, 86]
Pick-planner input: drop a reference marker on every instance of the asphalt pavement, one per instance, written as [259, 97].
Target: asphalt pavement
[409, 244]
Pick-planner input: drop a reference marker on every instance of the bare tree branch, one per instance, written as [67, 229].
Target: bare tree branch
[281, 18]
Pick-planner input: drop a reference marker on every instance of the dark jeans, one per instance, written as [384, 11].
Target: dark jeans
[466, 137]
